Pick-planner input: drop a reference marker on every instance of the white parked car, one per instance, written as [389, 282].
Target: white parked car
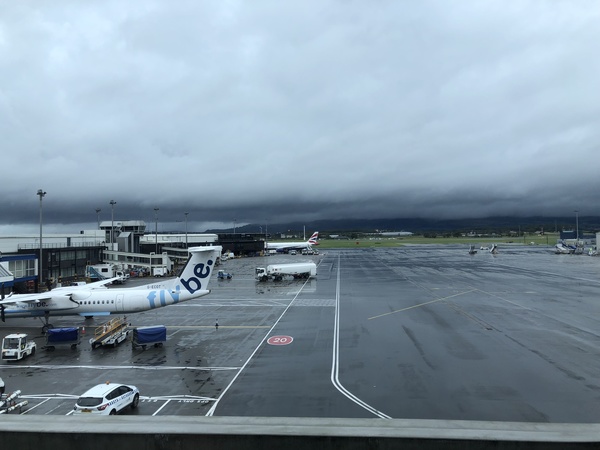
[107, 399]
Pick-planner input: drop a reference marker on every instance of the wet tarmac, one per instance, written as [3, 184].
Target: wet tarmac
[419, 332]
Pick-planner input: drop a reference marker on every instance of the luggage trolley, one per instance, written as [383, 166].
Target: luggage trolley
[151, 335]
[62, 337]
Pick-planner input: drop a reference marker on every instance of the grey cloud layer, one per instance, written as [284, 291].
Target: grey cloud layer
[277, 111]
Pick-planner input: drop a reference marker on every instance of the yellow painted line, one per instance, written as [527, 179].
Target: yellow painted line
[421, 304]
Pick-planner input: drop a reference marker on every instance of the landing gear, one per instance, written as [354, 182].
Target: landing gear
[47, 325]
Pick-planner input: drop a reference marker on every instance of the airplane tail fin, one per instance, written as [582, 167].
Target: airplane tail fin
[195, 275]
[314, 239]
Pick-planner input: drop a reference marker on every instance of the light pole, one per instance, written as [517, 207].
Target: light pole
[234, 223]
[577, 226]
[112, 225]
[186, 236]
[98, 216]
[156, 230]
[41, 193]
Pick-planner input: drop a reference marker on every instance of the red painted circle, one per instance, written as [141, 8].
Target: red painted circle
[280, 340]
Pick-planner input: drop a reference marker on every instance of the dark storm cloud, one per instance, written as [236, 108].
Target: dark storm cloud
[269, 111]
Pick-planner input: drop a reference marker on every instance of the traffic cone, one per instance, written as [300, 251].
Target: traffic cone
[83, 330]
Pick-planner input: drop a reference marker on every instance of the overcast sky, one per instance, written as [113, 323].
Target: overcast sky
[270, 111]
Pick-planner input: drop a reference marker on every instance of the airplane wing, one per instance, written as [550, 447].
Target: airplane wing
[62, 292]
[85, 287]
[25, 298]
[101, 283]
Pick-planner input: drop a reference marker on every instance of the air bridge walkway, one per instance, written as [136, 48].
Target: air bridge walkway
[249, 433]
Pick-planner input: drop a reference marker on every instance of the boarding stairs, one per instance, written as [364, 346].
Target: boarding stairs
[93, 274]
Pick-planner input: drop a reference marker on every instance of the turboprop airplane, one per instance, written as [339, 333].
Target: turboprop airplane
[287, 246]
[95, 299]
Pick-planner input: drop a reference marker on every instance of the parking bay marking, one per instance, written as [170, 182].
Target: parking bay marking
[59, 367]
[185, 398]
[280, 340]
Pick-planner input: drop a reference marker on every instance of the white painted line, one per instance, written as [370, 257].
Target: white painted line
[59, 367]
[335, 366]
[33, 407]
[159, 409]
[211, 411]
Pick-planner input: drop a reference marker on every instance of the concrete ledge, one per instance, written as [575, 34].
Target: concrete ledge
[240, 433]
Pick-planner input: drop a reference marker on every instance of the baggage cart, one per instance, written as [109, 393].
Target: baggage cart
[154, 335]
[62, 337]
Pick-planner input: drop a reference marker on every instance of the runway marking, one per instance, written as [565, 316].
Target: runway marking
[422, 304]
[241, 303]
[58, 367]
[163, 398]
[280, 340]
[180, 398]
[317, 302]
[50, 396]
[160, 409]
[335, 366]
[196, 327]
[186, 398]
[212, 409]
[33, 407]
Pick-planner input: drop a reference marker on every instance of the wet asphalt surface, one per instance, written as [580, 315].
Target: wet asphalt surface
[426, 332]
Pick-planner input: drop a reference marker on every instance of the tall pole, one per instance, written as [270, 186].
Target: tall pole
[577, 225]
[112, 225]
[186, 236]
[41, 193]
[156, 230]
[98, 216]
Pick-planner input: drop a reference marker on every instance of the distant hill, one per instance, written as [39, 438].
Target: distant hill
[499, 225]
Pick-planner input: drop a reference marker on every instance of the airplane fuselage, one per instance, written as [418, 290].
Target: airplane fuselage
[102, 302]
[97, 300]
[287, 245]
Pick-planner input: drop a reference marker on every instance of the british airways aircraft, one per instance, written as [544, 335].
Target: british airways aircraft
[95, 299]
[287, 246]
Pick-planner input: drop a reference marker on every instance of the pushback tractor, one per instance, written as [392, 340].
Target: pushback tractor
[17, 346]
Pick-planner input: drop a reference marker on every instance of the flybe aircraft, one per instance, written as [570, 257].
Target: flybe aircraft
[287, 246]
[95, 299]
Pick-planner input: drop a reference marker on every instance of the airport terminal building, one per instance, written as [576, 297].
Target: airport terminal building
[126, 244]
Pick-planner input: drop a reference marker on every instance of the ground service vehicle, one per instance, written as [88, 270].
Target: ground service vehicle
[278, 271]
[221, 275]
[107, 399]
[110, 333]
[59, 337]
[16, 346]
[104, 271]
[159, 272]
[151, 335]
